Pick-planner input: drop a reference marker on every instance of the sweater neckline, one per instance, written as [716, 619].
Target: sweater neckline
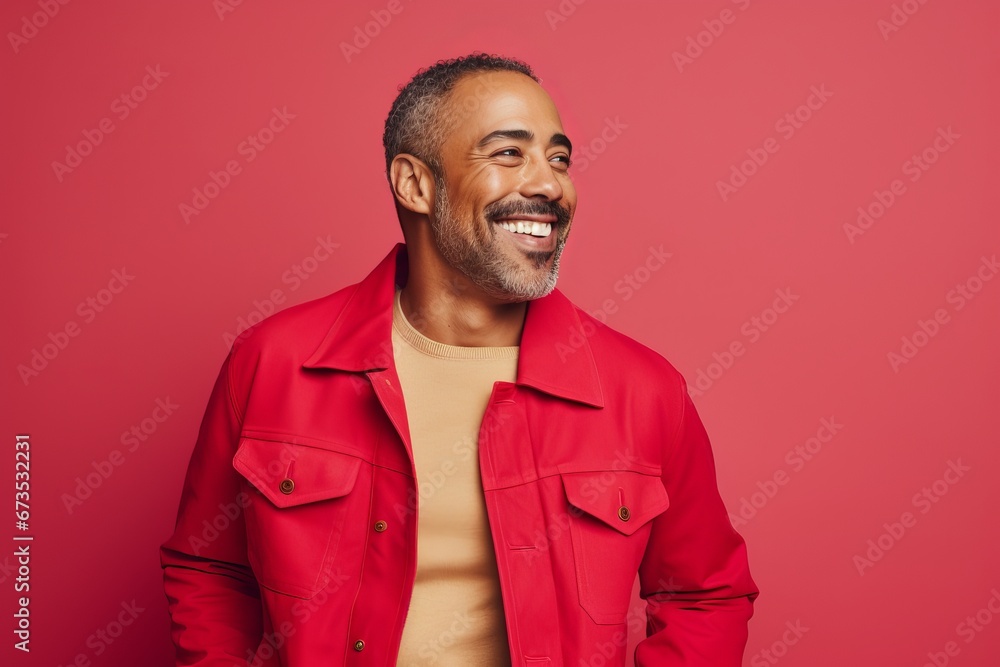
[433, 348]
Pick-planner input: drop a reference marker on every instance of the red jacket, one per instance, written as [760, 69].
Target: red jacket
[296, 533]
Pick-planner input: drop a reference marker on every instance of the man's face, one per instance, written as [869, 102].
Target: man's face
[503, 208]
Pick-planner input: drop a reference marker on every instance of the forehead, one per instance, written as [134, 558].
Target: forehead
[486, 101]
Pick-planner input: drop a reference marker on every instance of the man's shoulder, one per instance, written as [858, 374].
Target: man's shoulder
[613, 349]
[298, 329]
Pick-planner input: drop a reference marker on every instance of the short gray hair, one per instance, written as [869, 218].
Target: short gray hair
[414, 125]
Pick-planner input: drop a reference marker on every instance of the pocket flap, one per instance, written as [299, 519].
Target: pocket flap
[291, 474]
[622, 499]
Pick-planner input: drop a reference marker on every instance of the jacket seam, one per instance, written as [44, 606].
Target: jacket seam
[230, 389]
[675, 439]
[539, 478]
[280, 439]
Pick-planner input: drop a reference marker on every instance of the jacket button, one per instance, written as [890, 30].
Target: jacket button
[359, 645]
[624, 513]
[380, 526]
[286, 486]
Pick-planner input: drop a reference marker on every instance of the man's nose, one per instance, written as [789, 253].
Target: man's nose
[539, 179]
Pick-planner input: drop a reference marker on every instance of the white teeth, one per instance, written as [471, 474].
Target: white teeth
[533, 228]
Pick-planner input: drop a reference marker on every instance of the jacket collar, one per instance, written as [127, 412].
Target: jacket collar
[361, 337]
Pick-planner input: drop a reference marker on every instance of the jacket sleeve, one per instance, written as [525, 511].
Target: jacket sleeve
[694, 576]
[212, 596]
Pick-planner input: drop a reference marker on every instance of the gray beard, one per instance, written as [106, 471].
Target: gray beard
[481, 257]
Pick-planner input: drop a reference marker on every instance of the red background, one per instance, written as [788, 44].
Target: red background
[681, 130]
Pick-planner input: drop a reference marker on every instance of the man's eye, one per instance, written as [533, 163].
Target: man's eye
[511, 152]
[564, 158]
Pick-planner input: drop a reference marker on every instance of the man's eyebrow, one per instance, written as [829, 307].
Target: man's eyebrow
[561, 140]
[524, 135]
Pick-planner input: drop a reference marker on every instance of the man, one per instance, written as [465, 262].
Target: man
[448, 463]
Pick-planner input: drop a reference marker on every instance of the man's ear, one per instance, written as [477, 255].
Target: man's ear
[412, 183]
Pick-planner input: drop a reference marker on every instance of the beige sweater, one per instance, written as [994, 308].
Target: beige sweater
[456, 612]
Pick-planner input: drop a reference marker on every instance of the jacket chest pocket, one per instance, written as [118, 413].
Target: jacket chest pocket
[610, 519]
[300, 499]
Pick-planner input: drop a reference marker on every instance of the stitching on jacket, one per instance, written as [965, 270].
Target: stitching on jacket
[229, 388]
[675, 440]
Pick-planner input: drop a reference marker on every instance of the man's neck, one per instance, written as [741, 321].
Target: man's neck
[455, 312]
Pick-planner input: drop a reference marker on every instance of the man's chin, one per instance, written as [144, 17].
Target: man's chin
[523, 292]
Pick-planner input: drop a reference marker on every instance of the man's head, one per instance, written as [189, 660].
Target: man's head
[477, 161]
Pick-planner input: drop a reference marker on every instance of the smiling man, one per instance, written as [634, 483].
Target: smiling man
[406, 472]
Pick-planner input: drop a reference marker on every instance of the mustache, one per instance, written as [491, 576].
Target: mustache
[509, 209]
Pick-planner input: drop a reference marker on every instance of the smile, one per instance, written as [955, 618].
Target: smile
[541, 229]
